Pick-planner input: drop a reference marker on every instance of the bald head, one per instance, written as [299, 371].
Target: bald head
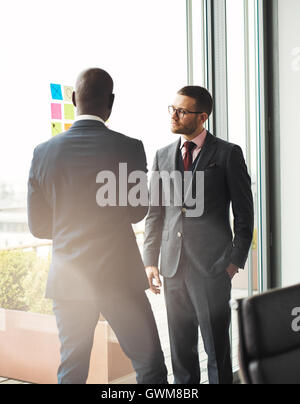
[94, 93]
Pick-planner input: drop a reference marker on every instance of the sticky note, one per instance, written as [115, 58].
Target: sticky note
[56, 111]
[56, 128]
[67, 126]
[69, 112]
[68, 91]
[56, 91]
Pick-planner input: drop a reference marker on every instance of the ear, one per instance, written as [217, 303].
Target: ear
[74, 98]
[204, 117]
[111, 101]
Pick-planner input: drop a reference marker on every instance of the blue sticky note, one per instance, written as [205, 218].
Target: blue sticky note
[56, 91]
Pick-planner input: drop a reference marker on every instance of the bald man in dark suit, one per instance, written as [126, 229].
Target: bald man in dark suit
[96, 265]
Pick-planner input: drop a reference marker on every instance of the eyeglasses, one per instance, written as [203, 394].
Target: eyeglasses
[180, 112]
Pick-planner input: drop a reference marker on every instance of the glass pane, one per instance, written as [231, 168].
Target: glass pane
[198, 48]
[289, 93]
[136, 42]
[141, 44]
[241, 63]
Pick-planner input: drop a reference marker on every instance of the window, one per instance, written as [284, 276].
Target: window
[243, 126]
[141, 44]
[288, 83]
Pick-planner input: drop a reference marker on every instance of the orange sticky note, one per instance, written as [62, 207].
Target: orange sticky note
[67, 126]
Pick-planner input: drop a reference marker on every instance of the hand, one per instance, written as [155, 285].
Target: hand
[153, 273]
[232, 270]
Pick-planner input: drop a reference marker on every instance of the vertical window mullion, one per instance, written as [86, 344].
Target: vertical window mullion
[189, 36]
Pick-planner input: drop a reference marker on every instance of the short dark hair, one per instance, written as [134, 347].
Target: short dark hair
[202, 97]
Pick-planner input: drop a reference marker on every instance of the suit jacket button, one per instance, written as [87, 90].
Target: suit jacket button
[179, 235]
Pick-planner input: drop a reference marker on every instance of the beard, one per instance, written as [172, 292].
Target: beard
[181, 129]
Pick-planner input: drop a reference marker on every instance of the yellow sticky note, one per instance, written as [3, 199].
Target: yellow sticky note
[56, 128]
[69, 112]
[68, 91]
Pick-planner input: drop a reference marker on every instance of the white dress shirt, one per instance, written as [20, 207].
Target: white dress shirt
[89, 117]
[199, 142]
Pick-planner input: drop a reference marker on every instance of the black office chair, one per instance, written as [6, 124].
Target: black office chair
[269, 333]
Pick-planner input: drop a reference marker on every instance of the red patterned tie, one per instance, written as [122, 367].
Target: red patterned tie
[188, 158]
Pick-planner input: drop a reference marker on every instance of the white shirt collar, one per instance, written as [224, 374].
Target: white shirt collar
[89, 117]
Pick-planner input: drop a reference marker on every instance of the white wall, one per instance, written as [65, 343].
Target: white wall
[289, 63]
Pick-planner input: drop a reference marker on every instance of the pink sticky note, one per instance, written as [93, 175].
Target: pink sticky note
[56, 111]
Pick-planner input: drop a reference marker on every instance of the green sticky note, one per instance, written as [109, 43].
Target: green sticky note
[56, 128]
[69, 112]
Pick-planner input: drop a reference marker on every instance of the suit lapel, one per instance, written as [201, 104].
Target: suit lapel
[172, 167]
[207, 152]
[172, 156]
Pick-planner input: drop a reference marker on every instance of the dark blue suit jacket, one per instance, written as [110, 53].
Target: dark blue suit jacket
[93, 247]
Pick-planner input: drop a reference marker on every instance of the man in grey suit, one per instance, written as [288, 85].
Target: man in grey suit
[96, 265]
[199, 255]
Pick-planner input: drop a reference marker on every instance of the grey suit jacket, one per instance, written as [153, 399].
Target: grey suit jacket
[93, 247]
[207, 240]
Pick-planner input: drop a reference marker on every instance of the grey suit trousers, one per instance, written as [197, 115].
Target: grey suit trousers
[193, 300]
